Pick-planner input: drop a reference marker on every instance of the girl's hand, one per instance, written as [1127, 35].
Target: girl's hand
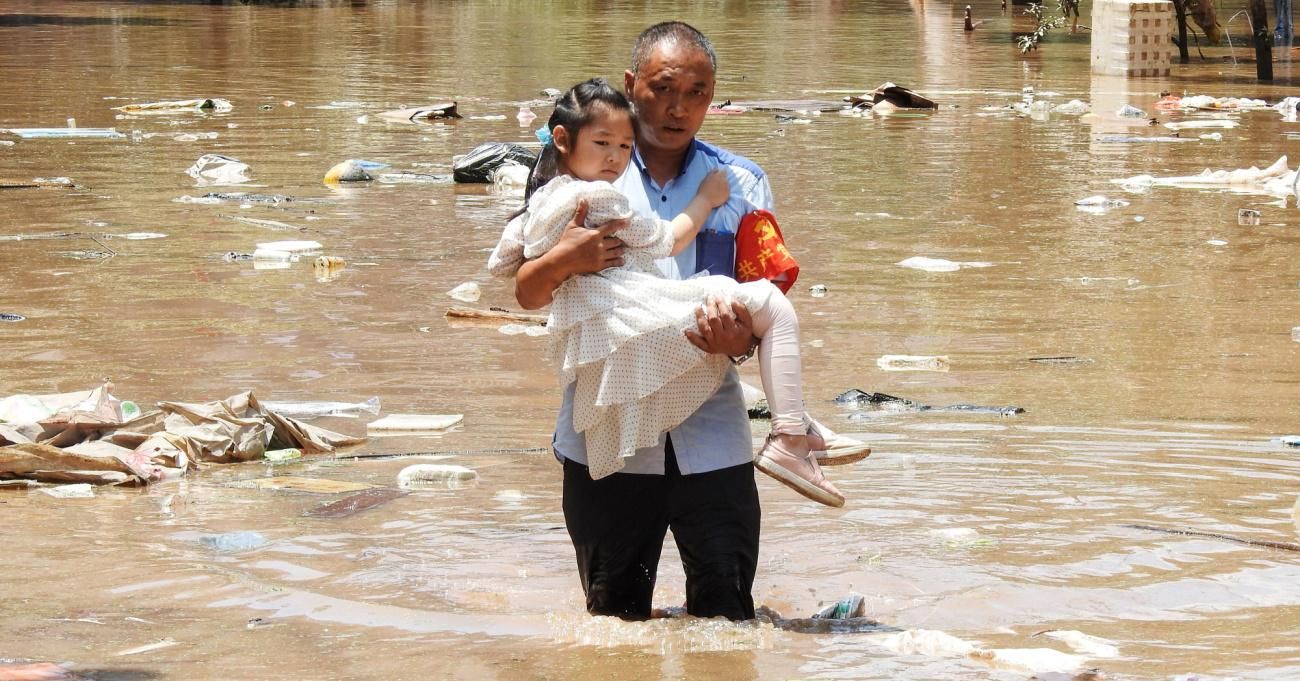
[715, 188]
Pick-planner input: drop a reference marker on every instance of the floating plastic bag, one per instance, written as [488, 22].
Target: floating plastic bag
[467, 292]
[477, 166]
[218, 169]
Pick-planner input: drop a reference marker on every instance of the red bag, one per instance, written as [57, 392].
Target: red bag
[761, 252]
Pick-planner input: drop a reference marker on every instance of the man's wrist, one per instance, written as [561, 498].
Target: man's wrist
[741, 359]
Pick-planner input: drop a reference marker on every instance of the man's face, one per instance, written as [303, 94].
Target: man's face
[672, 92]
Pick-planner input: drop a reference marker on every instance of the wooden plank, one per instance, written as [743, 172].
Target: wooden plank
[494, 314]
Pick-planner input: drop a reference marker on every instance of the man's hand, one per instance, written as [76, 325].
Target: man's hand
[579, 251]
[722, 328]
[589, 250]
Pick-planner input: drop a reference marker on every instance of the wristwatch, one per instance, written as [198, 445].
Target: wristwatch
[753, 346]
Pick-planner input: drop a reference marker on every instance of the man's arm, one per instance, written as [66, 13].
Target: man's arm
[580, 251]
[727, 329]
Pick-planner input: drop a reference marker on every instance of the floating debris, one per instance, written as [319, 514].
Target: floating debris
[301, 484]
[37, 133]
[282, 455]
[230, 542]
[218, 169]
[209, 105]
[436, 473]
[147, 648]
[413, 423]
[913, 363]
[317, 409]
[927, 264]
[11, 317]
[467, 292]
[1083, 643]
[353, 170]
[356, 503]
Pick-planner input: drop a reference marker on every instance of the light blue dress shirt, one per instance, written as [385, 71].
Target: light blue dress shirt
[717, 435]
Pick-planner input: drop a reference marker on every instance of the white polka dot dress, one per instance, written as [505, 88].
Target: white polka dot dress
[619, 333]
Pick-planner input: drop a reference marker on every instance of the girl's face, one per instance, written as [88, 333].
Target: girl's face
[602, 149]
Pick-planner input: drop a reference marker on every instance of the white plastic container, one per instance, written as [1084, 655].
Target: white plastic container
[271, 259]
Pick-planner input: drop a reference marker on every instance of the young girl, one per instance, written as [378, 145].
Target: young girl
[619, 333]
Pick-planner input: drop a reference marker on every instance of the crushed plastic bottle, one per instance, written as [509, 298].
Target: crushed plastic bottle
[1074, 107]
[230, 542]
[849, 607]
[1130, 111]
[817, 290]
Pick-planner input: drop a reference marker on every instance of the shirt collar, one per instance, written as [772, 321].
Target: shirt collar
[686, 161]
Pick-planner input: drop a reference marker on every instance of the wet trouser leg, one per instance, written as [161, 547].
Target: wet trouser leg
[618, 524]
[715, 517]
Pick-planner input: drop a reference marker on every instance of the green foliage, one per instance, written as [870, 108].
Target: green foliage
[1043, 25]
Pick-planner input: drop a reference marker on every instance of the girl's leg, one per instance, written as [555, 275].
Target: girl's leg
[786, 456]
[777, 327]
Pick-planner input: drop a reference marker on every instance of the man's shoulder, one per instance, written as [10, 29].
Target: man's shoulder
[729, 158]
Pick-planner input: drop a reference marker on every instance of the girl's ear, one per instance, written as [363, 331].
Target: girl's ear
[560, 138]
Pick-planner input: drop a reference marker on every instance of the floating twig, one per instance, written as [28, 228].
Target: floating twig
[1285, 546]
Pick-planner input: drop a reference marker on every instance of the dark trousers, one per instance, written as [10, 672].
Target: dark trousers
[618, 525]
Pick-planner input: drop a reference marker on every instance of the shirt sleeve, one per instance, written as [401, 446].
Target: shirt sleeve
[651, 235]
[550, 210]
[756, 190]
[508, 255]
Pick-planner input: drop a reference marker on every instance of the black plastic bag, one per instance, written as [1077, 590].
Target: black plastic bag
[478, 164]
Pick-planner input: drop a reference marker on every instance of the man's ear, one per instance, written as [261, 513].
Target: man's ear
[560, 138]
[629, 81]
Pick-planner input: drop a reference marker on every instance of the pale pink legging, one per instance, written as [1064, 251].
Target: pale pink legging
[777, 327]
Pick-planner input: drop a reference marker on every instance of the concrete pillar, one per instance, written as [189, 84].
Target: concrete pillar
[1132, 37]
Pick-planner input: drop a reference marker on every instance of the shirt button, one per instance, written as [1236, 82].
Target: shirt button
[663, 198]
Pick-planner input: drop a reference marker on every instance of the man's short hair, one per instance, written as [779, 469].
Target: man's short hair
[668, 33]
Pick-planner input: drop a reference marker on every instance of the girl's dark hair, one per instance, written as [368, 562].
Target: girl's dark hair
[574, 110]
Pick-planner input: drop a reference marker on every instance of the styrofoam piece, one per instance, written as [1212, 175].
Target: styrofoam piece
[414, 423]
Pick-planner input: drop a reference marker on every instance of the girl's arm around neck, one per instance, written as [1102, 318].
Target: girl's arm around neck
[714, 191]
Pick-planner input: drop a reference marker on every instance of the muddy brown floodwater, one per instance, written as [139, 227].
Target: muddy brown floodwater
[1180, 319]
